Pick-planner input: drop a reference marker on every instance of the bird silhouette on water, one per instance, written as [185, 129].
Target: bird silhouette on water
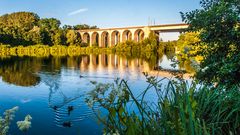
[67, 124]
[70, 109]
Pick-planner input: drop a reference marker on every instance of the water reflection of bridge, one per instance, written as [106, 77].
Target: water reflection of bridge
[113, 61]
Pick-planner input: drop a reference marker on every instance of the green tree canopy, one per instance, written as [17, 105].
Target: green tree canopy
[83, 26]
[26, 28]
[73, 37]
[49, 28]
[23, 20]
[219, 25]
[49, 24]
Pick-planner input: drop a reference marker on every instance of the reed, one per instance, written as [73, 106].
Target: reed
[181, 108]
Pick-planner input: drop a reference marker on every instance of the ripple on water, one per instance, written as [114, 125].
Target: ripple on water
[73, 112]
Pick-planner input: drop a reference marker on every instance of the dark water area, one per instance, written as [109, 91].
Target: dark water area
[53, 90]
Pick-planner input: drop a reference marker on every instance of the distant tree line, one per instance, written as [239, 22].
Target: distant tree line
[27, 28]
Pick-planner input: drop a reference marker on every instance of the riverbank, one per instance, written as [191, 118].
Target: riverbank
[46, 51]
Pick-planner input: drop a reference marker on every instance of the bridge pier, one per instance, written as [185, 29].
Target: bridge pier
[90, 41]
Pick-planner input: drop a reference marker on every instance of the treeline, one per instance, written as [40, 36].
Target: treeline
[27, 28]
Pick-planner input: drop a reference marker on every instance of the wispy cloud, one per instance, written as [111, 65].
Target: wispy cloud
[78, 11]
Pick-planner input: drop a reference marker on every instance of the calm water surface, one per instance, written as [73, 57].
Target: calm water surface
[46, 87]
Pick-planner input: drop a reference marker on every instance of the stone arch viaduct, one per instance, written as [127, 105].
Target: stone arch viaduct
[108, 37]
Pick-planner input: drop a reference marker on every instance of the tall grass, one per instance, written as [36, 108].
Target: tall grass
[181, 109]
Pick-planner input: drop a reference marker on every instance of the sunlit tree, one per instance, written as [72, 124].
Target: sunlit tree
[218, 22]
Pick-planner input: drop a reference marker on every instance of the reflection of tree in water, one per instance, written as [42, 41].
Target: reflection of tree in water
[57, 98]
[17, 71]
[63, 103]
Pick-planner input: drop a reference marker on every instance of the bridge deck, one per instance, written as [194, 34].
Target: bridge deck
[162, 26]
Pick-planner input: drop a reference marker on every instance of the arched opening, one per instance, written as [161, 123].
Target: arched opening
[127, 35]
[86, 38]
[95, 39]
[138, 35]
[115, 38]
[105, 39]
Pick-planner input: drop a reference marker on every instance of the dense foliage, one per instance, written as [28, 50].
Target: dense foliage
[149, 44]
[186, 44]
[84, 26]
[27, 28]
[219, 25]
[186, 51]
[179, 109]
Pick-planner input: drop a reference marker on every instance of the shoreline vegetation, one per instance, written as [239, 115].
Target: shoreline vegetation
[180, 108]
[128, 50]
[209, 105]
[26, 34]
[74, 50]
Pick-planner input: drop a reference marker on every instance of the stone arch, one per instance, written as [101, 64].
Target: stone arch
[115, 38]
[138, 35]
[95, 38]
[105, 39]
[127, 35]
[79, 35]
[86, 38]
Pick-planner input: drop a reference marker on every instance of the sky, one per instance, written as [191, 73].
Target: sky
[104, 13]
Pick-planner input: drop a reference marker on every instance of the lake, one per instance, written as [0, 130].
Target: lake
[53, 89]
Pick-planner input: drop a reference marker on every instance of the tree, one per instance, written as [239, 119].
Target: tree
[49, 27]
[187, 41]
[26, 28]
[35, 36]
[58, 38]
[67, 27]
[73, 37]
[83, 26]
[15, 27]
[219, 25]
[49, 24]
[187, 45]
[22, 20]
[151, 42]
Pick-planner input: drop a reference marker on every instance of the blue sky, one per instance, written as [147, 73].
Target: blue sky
[104, 13]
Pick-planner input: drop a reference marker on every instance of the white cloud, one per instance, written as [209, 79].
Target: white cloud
[78, 11]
